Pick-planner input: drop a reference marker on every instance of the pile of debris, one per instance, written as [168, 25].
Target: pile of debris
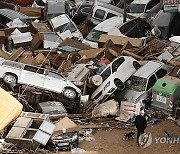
[56, 90]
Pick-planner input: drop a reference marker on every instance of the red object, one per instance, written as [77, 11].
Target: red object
[104, 60]
[23, 2]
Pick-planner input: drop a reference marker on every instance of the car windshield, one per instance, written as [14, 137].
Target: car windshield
[136, 83]
[94, 35]
[68, 26]
[40, 3]
[136, 8]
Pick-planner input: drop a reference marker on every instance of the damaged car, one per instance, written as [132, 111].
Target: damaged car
[13, 73]
[136, 28]
[139, 85]
[114, 77]
[8, 15]
[66, 141]
[63, 23]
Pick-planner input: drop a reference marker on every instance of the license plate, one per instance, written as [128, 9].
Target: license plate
[161, 99]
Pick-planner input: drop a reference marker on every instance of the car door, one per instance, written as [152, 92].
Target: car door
[54, 82]
[32, 76]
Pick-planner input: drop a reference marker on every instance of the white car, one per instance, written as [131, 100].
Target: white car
[102, 28]
[14, 73]
[114, 77]
[63, 23]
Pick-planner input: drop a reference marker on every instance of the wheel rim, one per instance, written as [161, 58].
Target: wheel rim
[119, 85]
[69, 93]
[10, 79]
[147, 33]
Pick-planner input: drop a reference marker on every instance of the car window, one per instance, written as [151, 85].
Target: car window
[34, 69]
[117, 63]
[40, 3]
[68, 26]
[151, 4]
[109, 15]
[94, 35]
[151, 82]
[55, 75]
[99, 14]
[106, 73]
[161, 73]
[128, 25]
[136, 8]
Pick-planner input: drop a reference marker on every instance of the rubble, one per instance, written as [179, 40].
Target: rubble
[56, 87]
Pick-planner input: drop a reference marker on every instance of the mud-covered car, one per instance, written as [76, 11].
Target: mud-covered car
[66, 141]
[114, 77]
[13, 73]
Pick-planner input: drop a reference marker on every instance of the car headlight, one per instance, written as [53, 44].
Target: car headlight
[75, 137]
[69, 93]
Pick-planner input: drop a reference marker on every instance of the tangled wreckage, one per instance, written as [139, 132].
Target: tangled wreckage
[59, 71]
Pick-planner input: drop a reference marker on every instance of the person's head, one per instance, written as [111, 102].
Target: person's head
[142, 112]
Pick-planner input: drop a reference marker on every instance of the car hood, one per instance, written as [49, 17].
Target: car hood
[132, 95]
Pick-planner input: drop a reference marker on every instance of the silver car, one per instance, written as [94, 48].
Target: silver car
[14, 73]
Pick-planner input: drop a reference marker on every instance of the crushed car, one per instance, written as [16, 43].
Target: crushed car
[63, 23]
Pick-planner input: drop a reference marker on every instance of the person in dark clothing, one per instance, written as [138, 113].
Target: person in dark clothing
[141, 124]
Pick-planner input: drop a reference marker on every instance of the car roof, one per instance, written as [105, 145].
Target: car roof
[11, 14]
[125, 57]
[108, 24]
[109, 6]
[149, 68]
[60, 20]
[140, 1]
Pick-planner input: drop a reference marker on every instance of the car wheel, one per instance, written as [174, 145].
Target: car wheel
[119, 84]
[147, 32]
[69, 93]
[10, 79]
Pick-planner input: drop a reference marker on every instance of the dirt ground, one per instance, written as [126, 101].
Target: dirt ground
[110, 141]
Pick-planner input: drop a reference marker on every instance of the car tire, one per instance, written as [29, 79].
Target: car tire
[119, 84]
[69, 93]
[10, 79]
[147, 32]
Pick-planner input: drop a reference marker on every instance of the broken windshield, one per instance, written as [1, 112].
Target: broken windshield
[136, 83]
[137, 8]
[67, 26]
[94, 35]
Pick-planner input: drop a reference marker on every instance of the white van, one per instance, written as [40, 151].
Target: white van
[102, 28]
[63, 23]
[102, 11]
